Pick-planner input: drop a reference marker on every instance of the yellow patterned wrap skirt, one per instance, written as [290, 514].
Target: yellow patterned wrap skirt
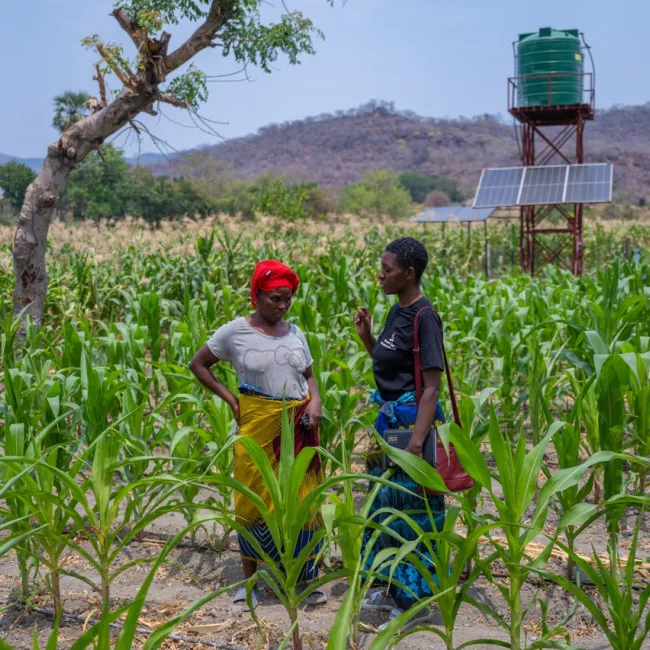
[261, 418]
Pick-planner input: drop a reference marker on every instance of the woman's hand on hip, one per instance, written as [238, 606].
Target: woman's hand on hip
[314, 412]
[234, 407]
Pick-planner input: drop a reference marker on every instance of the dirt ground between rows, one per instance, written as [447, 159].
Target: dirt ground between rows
[204, 570]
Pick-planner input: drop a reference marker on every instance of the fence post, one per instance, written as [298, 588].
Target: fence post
[487, 251]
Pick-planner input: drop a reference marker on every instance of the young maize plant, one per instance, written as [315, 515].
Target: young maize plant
[622, 618]
[517, 471]
[286, 519]
[103, 429]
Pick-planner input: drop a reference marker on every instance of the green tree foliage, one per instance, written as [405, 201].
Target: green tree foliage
[109, 189]
[272, 195]
[15, 178]
[95, 188]
[417, 184]
[449, 186]
[106, 187]
[238, 198]
[420, 185]
[213, 177]
[379, 194]
[318, 203]
[235, 24]
[69, 108]
[155, 198]
[276, 198]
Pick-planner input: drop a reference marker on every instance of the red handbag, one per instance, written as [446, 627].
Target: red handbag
[451, 471]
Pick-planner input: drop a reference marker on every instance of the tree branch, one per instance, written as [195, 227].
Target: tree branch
[158, 50]
[170, 99]
[164, 44]
[94, 105]
[125, 78]
[201, 39]
[99, 78]
[157, 142]
[130, 27]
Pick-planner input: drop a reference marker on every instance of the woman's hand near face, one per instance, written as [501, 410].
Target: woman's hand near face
[363, 322]
[363, 325]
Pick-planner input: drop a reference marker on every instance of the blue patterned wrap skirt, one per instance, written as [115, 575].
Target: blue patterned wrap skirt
[396, 415]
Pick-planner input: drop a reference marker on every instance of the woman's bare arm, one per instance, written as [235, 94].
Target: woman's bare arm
[200, 366]
[315, 407]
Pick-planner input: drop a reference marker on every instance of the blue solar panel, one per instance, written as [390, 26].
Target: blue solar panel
[589, 183]
[545, 185]
[454, 213]
[498, 187]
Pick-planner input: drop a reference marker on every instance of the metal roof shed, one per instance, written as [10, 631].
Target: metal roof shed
[460, 214]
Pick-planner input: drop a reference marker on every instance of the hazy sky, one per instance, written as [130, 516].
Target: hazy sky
[435, 57]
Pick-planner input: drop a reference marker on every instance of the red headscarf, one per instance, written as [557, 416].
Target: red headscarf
[269, 275]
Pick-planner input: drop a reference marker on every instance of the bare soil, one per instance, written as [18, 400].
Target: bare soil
[201, 570]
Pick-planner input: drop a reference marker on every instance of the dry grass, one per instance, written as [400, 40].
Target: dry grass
[535, 549]
[104, 241]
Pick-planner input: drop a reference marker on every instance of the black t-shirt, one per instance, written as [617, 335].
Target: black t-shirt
[392, 356]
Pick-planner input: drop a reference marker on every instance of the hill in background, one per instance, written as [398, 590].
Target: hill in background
[32, 163]
[335, 150]
[35, 163]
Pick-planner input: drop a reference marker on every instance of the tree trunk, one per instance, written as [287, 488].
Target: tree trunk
[140, 92]
[34, 221]
[62, 207]
[31, 234]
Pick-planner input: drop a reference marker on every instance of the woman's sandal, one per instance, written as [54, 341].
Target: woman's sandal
[316, 597]
[240, 598]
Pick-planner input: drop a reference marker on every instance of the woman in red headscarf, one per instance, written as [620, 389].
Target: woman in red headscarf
[274, 366]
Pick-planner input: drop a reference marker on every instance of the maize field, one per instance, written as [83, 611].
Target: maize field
[116, 493]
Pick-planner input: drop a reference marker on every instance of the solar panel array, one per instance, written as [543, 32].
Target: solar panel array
[542, 185]
[545, 185]
[498, 187]
[589, 184]
[453, 213]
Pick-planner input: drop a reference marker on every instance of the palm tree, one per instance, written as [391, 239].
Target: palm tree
[69, 108]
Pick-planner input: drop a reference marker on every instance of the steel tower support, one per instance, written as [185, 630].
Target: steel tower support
[551, 135]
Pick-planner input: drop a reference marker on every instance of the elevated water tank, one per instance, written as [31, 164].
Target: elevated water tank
[550, 52]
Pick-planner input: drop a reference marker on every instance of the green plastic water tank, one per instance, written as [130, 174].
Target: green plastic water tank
[550, 52]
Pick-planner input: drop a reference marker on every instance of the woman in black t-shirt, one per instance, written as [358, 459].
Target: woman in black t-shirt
[402, 266]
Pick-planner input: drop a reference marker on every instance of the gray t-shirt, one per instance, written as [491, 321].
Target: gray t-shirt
[272, 364]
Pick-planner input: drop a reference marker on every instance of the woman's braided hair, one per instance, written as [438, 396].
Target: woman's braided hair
[410, 253]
